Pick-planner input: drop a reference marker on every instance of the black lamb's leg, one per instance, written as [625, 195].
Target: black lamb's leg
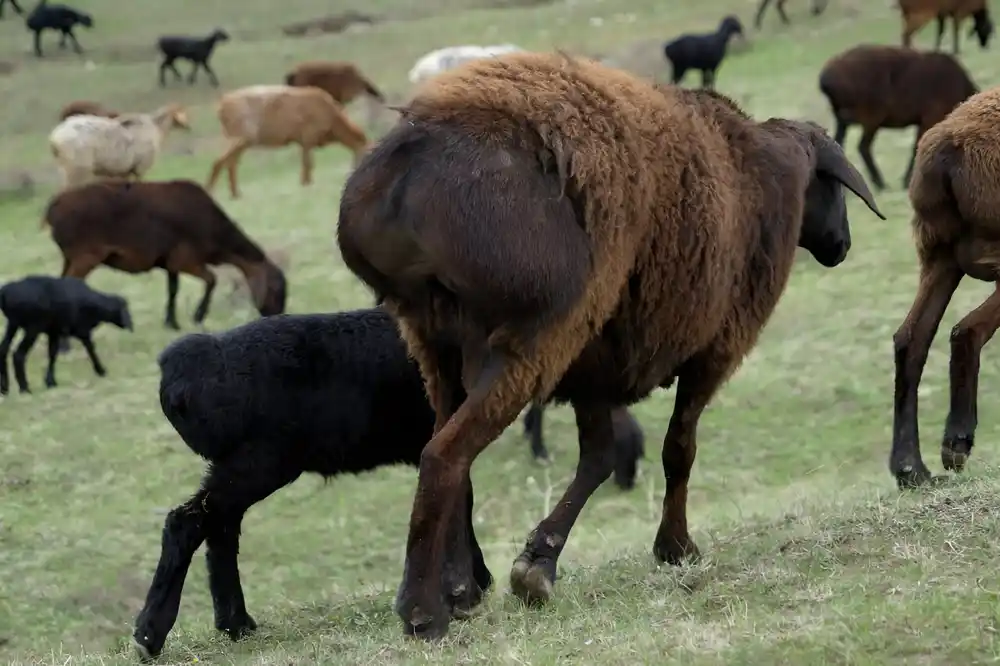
[76, 44]
[211, 74]
[38, 43]
[232, 487]
[88, 344]
[8, 338]
[50, 374]
[21, 355]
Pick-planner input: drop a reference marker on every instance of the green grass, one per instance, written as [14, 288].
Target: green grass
[811, 555]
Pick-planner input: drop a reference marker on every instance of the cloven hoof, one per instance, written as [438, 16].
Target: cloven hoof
[530, 582]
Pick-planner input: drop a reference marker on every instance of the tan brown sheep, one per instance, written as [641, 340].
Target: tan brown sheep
[274, 116]
[86, 108]
[956, 224]
[343, 80]
[918, 13]
[876, 85]
[550, 228]
[174, 225]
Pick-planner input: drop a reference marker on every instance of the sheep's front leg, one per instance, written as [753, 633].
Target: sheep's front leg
[21, 355]
[698, 380]
[307, 164]
[72, 36]
[38, 43]
[88, 344]
[53, 338]
[211, 74]
[939, 278]
[8, 338]
[229, 161]
[173, 285]
[495, 398]
[967, 341]
[534, 572]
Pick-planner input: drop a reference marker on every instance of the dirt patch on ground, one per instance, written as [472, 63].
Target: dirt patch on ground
[7, 67]
[329, 24]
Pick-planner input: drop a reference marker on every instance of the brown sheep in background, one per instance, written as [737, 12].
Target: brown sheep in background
[956, 224]
[174, 225]
[893, 87]
[550, 228]
[343, 80]
[818, 7]
[86, 108]
[274, 116]
[918, 13]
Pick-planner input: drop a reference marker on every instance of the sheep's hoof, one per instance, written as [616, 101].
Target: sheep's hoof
[50, 383]
[674, 550]
[955, 452]
[238, 629]
[912, 476]
[532, 581]
[423, 617]
[145, 653]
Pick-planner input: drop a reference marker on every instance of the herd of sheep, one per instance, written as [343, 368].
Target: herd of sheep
[535, 227]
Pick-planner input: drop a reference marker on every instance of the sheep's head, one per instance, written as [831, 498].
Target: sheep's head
[219, 35]
[177, 117]
[117, 312]
[825, 231]
[269, 289]
[86, 20]
[731, 25]
[982, 27]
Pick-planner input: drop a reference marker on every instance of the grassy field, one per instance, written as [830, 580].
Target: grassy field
[811, 554]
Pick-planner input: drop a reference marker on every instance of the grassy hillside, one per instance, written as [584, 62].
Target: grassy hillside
[811, 554]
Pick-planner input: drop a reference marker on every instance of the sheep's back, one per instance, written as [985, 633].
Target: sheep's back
[275, 115]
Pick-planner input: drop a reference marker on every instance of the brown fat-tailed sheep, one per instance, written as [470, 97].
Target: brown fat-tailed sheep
[552, 228]
[174, 225]
[343, 80]
[818, 7]
[956, 224]
[86, 108]
[273, 116]
[875, 85]
[918, 13]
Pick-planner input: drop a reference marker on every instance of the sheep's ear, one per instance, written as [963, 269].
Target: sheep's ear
[831, 160]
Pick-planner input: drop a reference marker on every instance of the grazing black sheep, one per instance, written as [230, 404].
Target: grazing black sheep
[63, 18]
[14, 4]
[703, 52]
[56, 307]
[263, 403]
[629, 441]
[196, 49]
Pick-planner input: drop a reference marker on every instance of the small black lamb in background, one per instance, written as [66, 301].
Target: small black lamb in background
[196, 49]
[14, 4]
[63, 18]
[703, 52]
[57, 307]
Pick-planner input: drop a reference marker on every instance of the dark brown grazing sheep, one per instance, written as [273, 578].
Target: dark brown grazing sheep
[876, 86]
[818, 7]
[85, 107]
[174, 225]
[956, 224]
[547, 227]
[918, 13]
[343, 80]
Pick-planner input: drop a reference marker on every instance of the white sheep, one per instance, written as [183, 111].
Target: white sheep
[89, 147]
[450, 57]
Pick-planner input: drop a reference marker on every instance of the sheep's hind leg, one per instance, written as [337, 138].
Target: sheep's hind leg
[497, 396]
[967, 340]
[307, 165]
[213, 515]
[21, 355]
[534, 572]
[533, 431]
[865, 149]
[8, 338]
[939, 278]
[698, 380]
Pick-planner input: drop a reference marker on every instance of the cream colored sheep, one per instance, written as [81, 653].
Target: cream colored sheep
[89, 147]
[273, 116]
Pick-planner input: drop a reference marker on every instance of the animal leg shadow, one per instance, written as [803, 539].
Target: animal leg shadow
[532, 577]
[967, 340]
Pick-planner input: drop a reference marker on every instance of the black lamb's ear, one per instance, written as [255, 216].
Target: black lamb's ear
[830, 159]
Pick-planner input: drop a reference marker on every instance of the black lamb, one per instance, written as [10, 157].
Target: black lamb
[263, 403]
[703, 52]
[14, 4]
[629, 441]
[63, 18]
[196, 49]
[55, 306]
